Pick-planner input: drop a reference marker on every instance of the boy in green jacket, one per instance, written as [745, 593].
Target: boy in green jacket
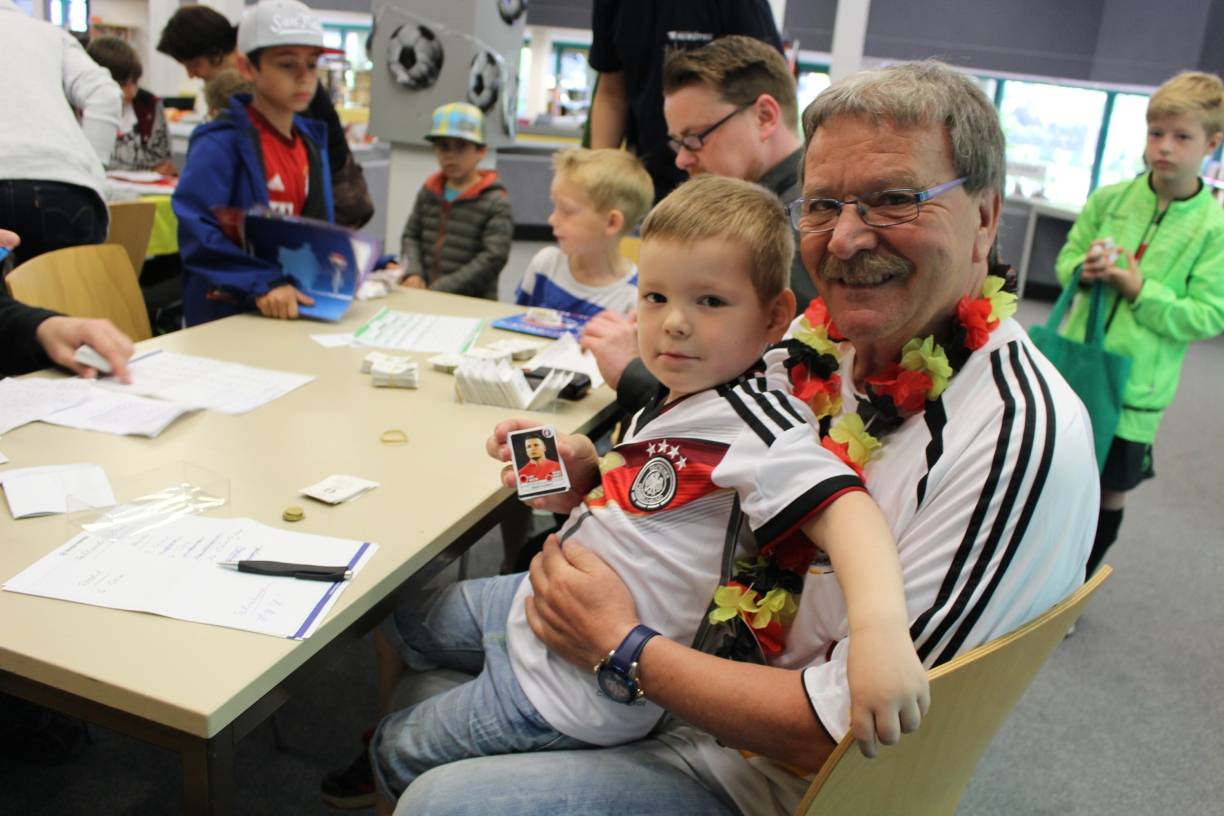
[458, 237]
[1166, 263]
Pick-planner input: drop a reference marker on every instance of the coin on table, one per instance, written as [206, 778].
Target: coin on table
[293, 513]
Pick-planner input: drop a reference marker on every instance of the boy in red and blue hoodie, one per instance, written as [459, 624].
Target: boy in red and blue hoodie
[257, 152]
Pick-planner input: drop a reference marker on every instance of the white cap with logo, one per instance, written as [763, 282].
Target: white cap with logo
[270, 23]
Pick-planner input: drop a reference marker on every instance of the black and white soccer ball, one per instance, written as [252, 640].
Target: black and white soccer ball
[484, 81]
[511, 10]
[414, 55]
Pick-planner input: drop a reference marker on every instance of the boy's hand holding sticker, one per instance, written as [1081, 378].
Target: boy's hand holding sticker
[538, 468]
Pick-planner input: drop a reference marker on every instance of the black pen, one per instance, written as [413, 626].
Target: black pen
[305, 572]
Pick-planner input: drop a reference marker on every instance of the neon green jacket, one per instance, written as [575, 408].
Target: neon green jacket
[1182, 298]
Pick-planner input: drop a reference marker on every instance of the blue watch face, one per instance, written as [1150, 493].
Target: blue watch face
[616, 685]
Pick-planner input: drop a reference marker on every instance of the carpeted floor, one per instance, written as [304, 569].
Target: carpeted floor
[1125, 719]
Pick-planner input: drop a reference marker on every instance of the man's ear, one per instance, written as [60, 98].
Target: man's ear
[781, 313]
[245, 67]
[989, 205]
[768, 115]
[614, 222]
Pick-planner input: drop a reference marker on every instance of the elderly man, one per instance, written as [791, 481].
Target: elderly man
[731, 111]
[978, 453]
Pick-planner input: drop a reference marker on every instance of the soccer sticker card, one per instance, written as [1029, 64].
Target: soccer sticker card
[538, 468]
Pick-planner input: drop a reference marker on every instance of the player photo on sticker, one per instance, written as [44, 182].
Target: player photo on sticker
[537, 466]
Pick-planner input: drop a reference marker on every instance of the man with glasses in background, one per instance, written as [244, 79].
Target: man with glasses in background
[976, 450]
[731, 111]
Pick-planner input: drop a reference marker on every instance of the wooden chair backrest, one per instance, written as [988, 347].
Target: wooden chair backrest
[131, 225]
[84, 281]
[928, 771]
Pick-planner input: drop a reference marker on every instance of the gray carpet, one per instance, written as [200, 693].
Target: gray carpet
[1125, 719]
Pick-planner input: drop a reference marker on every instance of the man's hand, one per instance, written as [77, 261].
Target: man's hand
[1122, 273]
[580, 609]
[612, 338]
[414, 282]
[282, 302]
[889, 691]
[576, 451]
[60, 337]
[167, 168]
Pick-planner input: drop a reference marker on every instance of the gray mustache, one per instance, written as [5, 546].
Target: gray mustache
[864, 265]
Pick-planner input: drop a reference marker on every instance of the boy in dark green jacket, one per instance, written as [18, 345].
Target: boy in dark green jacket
[1166, 263]
[458, 237]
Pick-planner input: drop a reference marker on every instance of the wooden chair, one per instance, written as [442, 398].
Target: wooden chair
[928, 771]
[629, 247]
[84, 281]
[131, 224]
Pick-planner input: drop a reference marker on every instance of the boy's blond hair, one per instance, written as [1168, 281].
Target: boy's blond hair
[1195, 92]
[612, 179]
[740, 212]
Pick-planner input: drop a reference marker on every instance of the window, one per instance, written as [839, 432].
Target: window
[1125, 138]
[70, 14]
[812, 80]
[1054, 129]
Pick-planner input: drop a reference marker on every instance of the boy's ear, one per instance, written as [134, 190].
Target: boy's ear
[245, 67]
[614, 222]
[781, 313]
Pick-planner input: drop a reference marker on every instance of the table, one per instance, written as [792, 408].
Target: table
[199, 689]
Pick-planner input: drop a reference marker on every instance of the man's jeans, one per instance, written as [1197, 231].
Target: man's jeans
[49, 215]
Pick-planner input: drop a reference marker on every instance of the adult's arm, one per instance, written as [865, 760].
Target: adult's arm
[472, 278]
[20, 351]
[609, 111]
[637, 385]
[90, 89]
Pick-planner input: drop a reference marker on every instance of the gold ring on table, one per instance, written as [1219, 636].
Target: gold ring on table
[393, 437]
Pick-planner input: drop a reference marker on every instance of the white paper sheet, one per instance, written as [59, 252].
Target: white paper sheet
[566, 354]
[409, 331]
[28, 400]
[123, 414]
[172, 570]
[201, 382]
[44, 491]
[333, 340]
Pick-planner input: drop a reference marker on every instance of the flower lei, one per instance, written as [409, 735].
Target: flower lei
[763, 589]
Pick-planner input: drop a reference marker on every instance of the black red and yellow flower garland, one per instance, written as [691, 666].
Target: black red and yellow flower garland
[763, 590]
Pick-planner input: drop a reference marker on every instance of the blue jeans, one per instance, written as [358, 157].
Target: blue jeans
[49, 215]
[621, 781]
[464, 629]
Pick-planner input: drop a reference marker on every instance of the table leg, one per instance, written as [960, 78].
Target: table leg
[208, 775]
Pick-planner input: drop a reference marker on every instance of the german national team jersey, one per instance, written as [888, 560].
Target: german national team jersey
[992, 495]
[286, 166]
[660, 518]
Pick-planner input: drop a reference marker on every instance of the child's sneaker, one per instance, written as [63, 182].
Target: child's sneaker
[352, 787]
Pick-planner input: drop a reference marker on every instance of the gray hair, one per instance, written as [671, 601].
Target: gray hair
[920, 93]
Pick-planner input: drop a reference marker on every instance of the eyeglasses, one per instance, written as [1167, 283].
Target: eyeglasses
[694, 141]
[887, 208]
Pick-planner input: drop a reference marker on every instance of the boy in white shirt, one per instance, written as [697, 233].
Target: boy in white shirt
[598, 197]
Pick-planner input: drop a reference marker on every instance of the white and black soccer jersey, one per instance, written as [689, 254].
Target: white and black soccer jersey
[992, 495]
[660, 519]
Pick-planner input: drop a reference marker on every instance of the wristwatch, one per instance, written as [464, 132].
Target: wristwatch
[617, 673]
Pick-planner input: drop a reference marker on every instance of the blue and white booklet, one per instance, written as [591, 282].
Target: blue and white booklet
[327, 262]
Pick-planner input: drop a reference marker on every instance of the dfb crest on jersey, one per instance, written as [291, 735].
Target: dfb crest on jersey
[655, 484]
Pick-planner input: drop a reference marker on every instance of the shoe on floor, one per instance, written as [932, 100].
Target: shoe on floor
[351, 787]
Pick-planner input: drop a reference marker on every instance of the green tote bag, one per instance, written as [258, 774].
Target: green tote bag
[1096, 375]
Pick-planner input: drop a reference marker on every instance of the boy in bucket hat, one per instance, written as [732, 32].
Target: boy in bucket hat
[458, 237]
[258, 151]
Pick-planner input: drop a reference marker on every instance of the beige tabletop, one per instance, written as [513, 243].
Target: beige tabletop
[197, 678]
